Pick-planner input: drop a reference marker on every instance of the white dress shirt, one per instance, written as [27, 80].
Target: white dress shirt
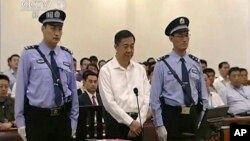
[220, 83]
[214, 100]
[238, 100]
[116, 85]
[12, 77]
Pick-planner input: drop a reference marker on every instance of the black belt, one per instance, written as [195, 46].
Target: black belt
[49, 111]
[133, 115]
[178, 108]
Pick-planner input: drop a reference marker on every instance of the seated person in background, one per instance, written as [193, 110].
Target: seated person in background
[211, 76]
[236, 96]
[222, 80]
[203, 64]
[214, 99]
[101, 63]
[93, 59]
[244, 76]
[89, 96]
[150, 73]
[93, 67]
[6, 104]
[84, 62]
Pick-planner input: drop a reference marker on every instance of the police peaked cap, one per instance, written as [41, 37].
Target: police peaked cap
[55, 16]
[179, 24]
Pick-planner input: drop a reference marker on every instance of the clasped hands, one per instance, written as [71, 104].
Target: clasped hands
[135, 129]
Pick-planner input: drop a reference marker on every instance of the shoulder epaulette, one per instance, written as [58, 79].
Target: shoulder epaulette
[31, 47]
[66, 49]
[163, 57]
[194, 58]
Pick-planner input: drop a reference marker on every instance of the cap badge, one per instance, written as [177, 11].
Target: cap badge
[182, 21]
[57, 14]
[49, 15]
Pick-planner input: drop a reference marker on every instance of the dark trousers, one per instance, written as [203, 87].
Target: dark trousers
[116, 130]
[180, 126]
[41, 126]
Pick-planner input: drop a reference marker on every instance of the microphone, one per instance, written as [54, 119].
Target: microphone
[136, 94]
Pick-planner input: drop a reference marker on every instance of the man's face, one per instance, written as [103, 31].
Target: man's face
[234, 77]
[244, 77]
[180, 41]
[4, 87]
[91, 84]
[211, 77]
[125, 49]
[224, 70]
[207, 80]
[85, 64]
[203, 66]
[14, 62]
[52, 33]
[101, 64]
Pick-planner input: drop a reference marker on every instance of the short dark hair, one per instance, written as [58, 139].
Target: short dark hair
[74, 59]
[203, 61]
[150, 58]
[123, 34]
[100, 62]
[84, 58]
[93, 58]
[208, 70]
[150, 70]
[233, 69]
[145, 63]
[13, 55]
[4, 77]
[222, 63]
[243, 69]
[93, 65]
[88, 73]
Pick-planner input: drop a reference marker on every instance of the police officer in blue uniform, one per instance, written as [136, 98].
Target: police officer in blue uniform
[46, 104]
[178, 89]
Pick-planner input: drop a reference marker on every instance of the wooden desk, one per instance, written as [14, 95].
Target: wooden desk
[10, 135]
[238, 120]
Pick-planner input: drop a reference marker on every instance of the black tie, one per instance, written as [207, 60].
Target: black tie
[58, 96]
[186, 85]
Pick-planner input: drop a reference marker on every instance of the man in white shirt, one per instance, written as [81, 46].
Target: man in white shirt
[222, 81]
[13, 65]
[119, 80]
[211, 76]
[214, 99]
[236, 96]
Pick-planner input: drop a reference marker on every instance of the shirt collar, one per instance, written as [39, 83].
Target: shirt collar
[240, 88]
[116, 64]
[12, 71]
[222, 79]
[177, 57]
[46, 50]
[90, 95]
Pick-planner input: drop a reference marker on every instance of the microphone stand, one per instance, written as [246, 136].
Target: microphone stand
[136, 94]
